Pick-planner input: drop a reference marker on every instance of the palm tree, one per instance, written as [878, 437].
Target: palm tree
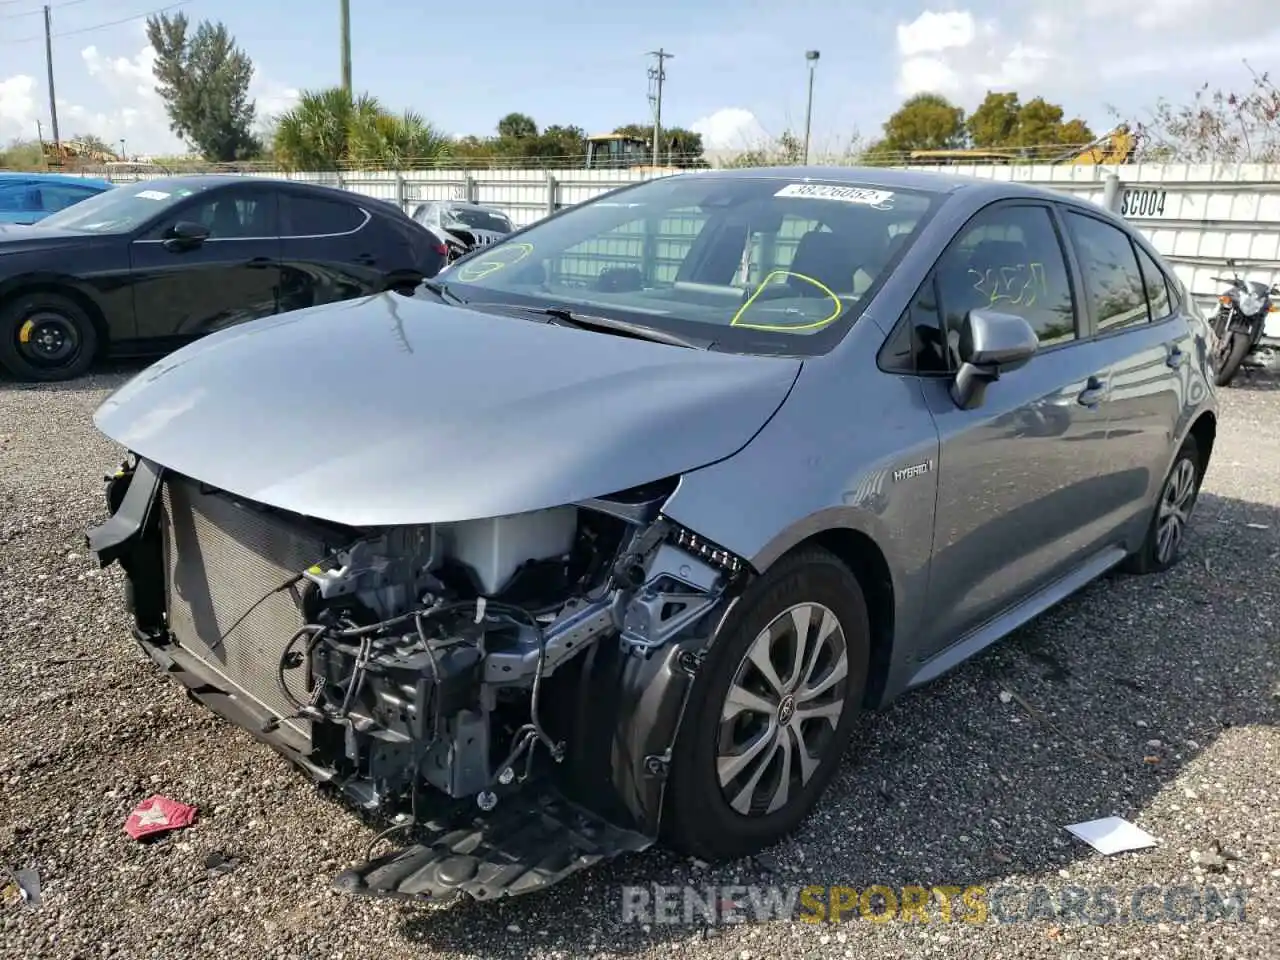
[329, 129]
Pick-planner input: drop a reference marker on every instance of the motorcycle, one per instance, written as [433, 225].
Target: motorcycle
[1246, 327]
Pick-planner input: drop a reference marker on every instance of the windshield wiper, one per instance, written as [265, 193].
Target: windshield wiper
[584, 321]
[441, 291]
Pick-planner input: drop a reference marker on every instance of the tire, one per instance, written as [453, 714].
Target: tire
[1150, 557]
[699, 818]
[46, 337]
[1233, 355]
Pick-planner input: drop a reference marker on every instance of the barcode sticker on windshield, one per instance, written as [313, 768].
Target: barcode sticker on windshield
[880, 199]
[152, 195]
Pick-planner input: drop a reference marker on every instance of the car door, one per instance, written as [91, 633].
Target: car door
[331, 249]
[231, 277]
[1016, 474]
[1132, 312]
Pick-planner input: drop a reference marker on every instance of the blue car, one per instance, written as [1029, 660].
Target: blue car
[30, 197]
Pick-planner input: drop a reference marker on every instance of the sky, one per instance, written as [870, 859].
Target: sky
[739, 72]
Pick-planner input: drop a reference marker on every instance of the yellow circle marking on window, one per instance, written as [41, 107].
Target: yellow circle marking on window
[479, 269]
[837, 308]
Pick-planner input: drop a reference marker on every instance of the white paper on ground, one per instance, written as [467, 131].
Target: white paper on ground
[1112, 835]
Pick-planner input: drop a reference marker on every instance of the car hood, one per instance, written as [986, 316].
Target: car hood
[396, 410]
[20, 237]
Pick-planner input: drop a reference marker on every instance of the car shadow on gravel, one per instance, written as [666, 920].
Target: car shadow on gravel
[100, 375]
[1089, 712]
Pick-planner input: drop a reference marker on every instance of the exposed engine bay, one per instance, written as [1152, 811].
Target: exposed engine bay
[413, 665]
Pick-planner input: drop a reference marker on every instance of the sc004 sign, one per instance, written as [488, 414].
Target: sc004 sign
[1143, 203]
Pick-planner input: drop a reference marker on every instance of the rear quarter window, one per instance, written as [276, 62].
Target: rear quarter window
[318, 217]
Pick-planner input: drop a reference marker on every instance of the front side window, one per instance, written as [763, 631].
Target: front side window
[1008, 259]
[234, 215]
[1112, 280]
[748, 263]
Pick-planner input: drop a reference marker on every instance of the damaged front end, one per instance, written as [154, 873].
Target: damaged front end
[506, 692]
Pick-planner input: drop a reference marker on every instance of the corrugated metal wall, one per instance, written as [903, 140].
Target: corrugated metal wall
[1197, 215]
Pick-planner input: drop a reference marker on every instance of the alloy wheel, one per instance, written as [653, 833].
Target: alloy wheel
[781, 709]
[1175, 509]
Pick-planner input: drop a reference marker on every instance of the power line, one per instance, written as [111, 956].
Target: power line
[38, 10]
[39, 38]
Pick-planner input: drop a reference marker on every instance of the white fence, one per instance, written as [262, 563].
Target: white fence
[1197, 215]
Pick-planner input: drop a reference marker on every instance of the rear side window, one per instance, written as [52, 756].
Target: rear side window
[1112, 280]
[315, 217]
[1008, 259]
[1159, 297]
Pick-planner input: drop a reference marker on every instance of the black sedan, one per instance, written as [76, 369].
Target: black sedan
[144, 268]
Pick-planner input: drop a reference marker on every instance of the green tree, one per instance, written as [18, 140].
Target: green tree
[995, 122]
[1002, 120]
[204, 79]
[328, 129]
[927, 121]
[517, 126]
[24, 155]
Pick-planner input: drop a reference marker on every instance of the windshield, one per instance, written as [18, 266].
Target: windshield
[115, 211]
[748, 263]
[478, 219]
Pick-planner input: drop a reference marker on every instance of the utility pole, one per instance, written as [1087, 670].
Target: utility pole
[657, 74]
[812, 57]
[53, 103]
[346, 46]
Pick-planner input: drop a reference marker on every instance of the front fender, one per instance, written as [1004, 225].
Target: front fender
[631, 709]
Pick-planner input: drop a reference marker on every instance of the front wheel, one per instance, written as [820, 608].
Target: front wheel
[1229, 355]
[771, 711]
[46, 337]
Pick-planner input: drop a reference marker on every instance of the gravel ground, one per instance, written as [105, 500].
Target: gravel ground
[1153, 699]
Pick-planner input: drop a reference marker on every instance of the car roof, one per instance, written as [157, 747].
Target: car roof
[890, 177]
[197, 182]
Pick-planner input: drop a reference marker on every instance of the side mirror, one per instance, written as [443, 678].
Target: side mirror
[185, 234]
[991, 343]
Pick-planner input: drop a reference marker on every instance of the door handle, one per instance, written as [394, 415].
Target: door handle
[258, 263]
[1094, 393]
[1176, 357]
[366, 260]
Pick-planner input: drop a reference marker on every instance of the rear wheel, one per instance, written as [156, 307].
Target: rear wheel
[1162, 547]
[1230, 353]
[771, 711]
[46, 337]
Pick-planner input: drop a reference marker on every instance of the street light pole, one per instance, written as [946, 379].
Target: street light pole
[812, 57]
[344, 13]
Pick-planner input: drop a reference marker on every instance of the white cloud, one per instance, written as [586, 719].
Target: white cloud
[17, 103]
[125, 107]
[730, 128]
[934, 32]
[1077, 51]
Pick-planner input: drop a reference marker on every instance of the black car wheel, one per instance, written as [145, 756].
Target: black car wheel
[771, 711]
[46, 337]
[1162, 547]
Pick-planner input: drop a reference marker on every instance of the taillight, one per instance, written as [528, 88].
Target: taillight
[442, 249]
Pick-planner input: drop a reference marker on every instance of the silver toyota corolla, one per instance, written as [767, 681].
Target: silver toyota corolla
[611, 531]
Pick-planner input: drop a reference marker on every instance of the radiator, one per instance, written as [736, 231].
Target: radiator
[222, 557]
